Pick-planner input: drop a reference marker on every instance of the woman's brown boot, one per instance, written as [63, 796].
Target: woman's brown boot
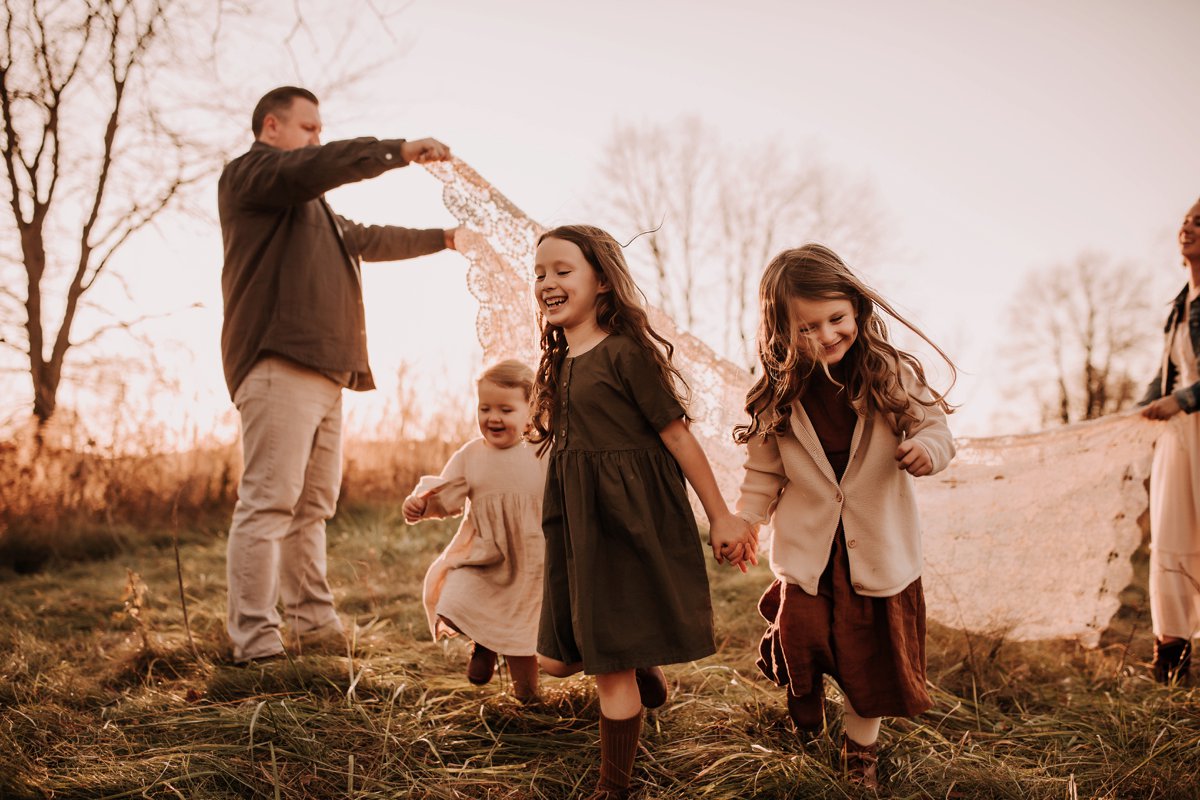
[1172, 661]
[860, 762]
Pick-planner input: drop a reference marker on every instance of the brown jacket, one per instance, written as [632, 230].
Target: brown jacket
[292, 283]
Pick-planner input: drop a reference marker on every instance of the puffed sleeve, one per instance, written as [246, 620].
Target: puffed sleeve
[446, 494]
[640, 376]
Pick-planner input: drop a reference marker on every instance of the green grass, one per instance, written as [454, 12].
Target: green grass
[104, 696]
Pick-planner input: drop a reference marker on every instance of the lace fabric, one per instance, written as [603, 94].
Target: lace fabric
[1029, 537]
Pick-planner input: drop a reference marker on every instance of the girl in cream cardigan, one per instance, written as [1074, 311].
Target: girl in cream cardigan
[841, 421]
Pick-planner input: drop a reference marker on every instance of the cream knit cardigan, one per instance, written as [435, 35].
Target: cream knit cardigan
[789, 478]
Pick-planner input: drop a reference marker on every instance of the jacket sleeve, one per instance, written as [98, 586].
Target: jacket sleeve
[390, 242]
[930, 429]
[1189, 397]
[1153, 390]
[763, 482]
[271, 178]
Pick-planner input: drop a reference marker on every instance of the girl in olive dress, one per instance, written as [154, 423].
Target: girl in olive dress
[625, 584]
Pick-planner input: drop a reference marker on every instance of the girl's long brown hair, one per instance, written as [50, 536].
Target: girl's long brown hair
[620, 310]
[789, 358]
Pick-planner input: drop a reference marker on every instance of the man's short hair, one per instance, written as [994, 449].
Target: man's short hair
[277, 102]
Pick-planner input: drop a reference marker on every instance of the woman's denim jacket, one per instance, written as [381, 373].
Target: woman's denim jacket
[1188, 396]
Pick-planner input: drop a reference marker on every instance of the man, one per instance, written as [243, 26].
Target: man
[294, 336]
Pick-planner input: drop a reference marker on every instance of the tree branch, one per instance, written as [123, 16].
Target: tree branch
[127, 325]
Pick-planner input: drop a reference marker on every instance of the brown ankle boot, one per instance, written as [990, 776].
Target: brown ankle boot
[1173, 661]
[860, 762]
[618, 746]
[807, 712]
[652, 686]
[482, 665]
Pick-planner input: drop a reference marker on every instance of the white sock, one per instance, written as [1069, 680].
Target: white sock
[862, 730]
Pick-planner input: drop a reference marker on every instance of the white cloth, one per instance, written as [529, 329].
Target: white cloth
[1175, 510]
[1027, 535]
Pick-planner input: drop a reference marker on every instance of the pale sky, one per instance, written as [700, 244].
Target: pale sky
[999, 138]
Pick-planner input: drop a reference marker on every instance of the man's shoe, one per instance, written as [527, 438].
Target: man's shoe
[260, 660]
[327, 641]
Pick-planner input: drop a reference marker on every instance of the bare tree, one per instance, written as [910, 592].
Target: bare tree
[111, 110]
[725, 211]
[1082, 338]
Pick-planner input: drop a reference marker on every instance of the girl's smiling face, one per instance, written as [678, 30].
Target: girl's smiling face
[565, 284]
[503, 414]
[829, 324]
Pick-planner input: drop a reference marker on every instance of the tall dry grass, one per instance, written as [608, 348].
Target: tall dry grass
[65, 494]
[103, 696]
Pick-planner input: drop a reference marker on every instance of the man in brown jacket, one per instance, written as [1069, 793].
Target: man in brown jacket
[294, 336]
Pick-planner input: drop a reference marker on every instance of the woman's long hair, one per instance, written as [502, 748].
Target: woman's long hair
[620, 310]
[872, 365]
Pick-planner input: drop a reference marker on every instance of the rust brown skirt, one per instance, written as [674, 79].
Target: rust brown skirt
[874, 647]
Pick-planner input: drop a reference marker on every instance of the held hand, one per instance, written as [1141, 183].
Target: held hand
[1162, 408]
[414, 509]
[422, 151]
[449, 235]
[733, 540]
[913, 457]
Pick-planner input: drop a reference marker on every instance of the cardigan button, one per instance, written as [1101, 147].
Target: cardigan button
[837, 498]
[858, 586]
[852, 543]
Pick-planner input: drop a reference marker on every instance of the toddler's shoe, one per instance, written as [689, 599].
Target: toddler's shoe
[482, 665]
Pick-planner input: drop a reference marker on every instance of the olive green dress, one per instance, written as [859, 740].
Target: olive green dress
[625, 583]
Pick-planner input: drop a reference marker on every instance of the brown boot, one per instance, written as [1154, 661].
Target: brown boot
[1173, 661]
[807, 712]
[482, 665]
[652, 686]
[860, 761]
[618, 746]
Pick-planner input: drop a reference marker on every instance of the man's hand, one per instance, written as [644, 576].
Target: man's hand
[1162, 408]
[422, 151]
[913, 456]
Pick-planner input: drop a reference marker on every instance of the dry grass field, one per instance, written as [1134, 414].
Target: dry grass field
[106, 691]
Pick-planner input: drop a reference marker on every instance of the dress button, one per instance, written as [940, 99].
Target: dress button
[852, 543]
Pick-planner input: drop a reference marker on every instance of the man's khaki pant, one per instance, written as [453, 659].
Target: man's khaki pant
[292, 447]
